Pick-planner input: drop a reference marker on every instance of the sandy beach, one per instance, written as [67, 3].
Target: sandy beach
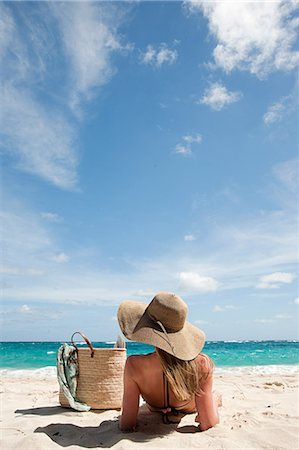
[260, 411]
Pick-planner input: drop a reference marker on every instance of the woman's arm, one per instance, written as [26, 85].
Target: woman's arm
[206, 403]
[130, 405]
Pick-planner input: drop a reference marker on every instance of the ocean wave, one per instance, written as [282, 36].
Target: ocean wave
[254, 370]
[50, 371]
[42, 372]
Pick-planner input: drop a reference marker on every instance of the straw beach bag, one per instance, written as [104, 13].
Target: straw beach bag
[100, 379]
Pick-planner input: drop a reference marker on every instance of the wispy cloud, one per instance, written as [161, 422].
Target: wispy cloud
[23, 239]
[60, 258]
[277, 111]
[189, 237]
[258, 244]
[264, 321]
[296, 301]
[217, 96]
[194, 282]
[28, 248]
[185, 147]
[254, 36]
[275, 318]
[89, 36]
[43, 140]
[218, 308]
[182, 149]
[35, 313]
[282, 316]
[202, 322]
[287, 173]
[158, 56]
[275, 280]
[21, 271]
[24, 309]
[192, 138]
[51, 217]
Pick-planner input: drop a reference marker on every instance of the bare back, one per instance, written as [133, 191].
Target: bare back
[144, 376]
[148, 374]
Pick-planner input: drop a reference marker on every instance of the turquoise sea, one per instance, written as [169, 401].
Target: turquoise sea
[36, 355]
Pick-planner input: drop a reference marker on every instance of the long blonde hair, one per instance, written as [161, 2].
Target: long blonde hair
[185, 377]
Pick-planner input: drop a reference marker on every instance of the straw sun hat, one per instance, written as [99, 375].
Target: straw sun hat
[162, 323]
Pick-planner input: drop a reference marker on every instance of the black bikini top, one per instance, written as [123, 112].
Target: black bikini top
[169, 409]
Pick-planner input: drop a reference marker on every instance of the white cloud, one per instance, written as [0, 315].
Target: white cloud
[296, 301]
[149, 294]
[263, 321]
[259, 243]
[273, 319]
[163, 105]
[24, 309]
[159, 55]
[288, 174]
[218, 308]
[193, 138]
[90, 39]
[185, 147]
[276, 111]
[61, 258]
[254, 36]
[192, 281]
[14, 270]
[217, 96]
[189, 237]
[51, 217]
[201, 322]
[275, 280]
[283, 316]
[42, 142]
[15, 65]
[23, 239]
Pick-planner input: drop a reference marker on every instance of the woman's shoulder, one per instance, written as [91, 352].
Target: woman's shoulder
[204, 363]
[138, 365]
[139, 360]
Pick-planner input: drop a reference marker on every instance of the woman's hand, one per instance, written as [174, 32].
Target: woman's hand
[217, 398]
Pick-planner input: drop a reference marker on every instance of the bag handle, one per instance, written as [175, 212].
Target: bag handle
[85, 339]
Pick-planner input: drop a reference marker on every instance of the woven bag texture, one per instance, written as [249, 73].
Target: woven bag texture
[100, 380]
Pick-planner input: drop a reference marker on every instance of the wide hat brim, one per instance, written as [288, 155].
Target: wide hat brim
[137, 325]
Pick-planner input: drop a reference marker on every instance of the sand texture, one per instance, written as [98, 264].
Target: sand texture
[259, 412]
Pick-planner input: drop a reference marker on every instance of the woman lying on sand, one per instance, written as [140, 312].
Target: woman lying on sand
[176, 377]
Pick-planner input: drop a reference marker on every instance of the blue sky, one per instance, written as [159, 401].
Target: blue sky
[149, 146]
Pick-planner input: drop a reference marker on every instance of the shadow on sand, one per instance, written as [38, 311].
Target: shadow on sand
[44, 411]
[106, 434]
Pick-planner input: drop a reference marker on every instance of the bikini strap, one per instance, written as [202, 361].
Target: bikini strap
[165, 417]
[166, 393]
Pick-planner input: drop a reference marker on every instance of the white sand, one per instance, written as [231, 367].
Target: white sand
[259, 411]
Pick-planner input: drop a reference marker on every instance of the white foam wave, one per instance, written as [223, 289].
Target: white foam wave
[50, 353]
[50, 371]
[254, 370]
[42, 372]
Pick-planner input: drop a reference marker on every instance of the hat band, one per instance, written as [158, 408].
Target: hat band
[166, 335]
